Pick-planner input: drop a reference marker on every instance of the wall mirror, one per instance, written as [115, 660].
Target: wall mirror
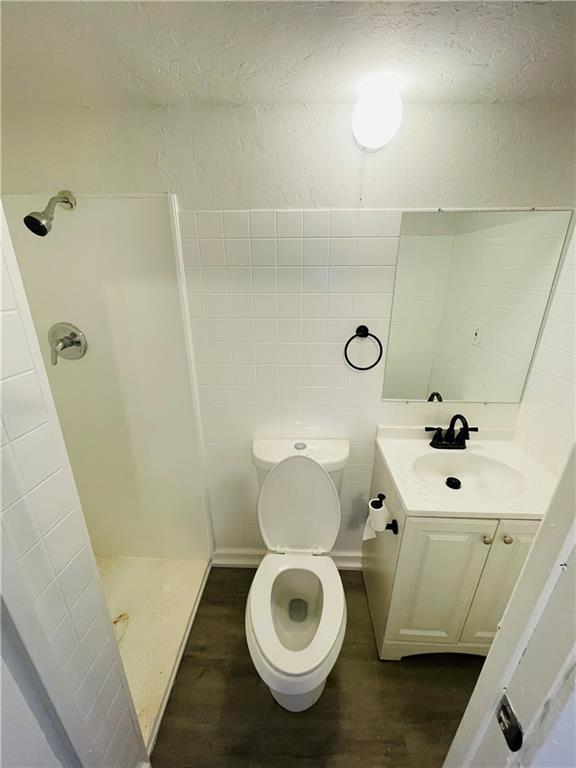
[470, 294]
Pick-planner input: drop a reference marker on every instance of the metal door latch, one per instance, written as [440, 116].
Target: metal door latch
[509, 724]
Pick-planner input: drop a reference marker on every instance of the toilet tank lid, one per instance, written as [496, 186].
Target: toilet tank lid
[331, 454]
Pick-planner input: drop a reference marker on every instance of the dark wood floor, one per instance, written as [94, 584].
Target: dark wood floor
[372, 714]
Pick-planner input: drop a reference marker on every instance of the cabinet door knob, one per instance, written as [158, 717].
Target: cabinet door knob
[507, 539]
[487, 539]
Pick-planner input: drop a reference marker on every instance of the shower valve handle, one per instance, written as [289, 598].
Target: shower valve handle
[61, 344]
[66, 341]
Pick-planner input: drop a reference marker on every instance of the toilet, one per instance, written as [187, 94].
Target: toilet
[296, 610]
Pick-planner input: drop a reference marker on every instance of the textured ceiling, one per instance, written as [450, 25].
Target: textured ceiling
[180, 53]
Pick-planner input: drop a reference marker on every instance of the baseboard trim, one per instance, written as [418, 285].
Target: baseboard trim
[250, 558]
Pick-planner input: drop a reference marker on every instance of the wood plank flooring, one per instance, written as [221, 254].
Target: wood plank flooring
[372, 714]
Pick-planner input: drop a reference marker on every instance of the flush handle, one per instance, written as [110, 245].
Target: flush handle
[487, 540]
[507, 539]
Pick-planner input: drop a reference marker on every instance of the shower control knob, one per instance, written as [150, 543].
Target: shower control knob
[66, 341]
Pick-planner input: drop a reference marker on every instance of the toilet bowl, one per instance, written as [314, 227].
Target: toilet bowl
[296, 610]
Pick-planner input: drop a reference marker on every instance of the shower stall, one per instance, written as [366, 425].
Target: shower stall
[110, 268]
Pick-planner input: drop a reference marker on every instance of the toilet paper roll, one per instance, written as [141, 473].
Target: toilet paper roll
[378, 515]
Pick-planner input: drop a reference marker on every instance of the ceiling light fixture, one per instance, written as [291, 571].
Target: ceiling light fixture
[378, 112]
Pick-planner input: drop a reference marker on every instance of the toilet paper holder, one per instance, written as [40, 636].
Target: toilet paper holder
[377, 504]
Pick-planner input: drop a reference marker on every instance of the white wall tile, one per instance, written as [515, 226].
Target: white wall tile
[343, 223]
[21, 528]
[210, 224]
[86, 609]
[8, 298]
[188, 225]
[211, 252]
[236, 224]
[50, 607]
[37, 455]
[16, 356]
[237, 252]
[262, 223]
[371, 223]
[316, 251]
[190, 253]
[22, 404]
[289, 251]
[64, 640]
[75, 669]
[316, 223]
[315, 279]
[342, 251]
[37, 568]
[51, 501]
[65, 540]
[12, 484]
[263, 252]
[289, 279]
[289, 223]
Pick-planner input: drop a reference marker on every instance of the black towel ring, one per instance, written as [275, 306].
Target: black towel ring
[362, 332]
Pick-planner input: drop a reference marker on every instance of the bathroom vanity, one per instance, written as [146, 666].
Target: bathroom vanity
[442, 583]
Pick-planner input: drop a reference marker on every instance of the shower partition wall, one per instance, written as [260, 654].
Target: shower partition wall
[128, 416]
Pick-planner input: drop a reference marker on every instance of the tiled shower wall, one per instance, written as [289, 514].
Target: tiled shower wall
[43, 525]
[273, 296]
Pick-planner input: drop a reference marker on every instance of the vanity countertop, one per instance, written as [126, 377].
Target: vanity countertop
[497, 478]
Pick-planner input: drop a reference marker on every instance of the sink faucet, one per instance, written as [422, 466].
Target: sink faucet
[448, 439]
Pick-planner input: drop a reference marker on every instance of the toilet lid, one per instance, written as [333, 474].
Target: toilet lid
[298, 508]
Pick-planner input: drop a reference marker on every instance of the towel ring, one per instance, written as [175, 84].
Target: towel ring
[362, 332]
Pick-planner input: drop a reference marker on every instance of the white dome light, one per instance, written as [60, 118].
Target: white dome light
[378, 112]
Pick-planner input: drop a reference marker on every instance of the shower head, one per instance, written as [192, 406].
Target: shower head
[40, 222]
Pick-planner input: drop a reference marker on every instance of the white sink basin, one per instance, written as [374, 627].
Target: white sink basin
[497, 478]
[479, 475]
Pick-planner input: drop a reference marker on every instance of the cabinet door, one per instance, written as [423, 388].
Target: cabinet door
[507, 555]
[440, 563]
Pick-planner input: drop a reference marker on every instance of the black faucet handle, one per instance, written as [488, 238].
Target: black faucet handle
[464, 434]
[438, 436]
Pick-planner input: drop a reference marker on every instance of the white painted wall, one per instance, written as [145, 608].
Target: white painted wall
[558, 749]
[44, 533]
[126, 408]
[299, 155]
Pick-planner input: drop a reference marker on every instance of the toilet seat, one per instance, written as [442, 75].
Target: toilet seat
[298, 507]
[296, 663]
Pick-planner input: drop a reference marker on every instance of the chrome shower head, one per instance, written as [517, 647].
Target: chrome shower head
[40, 222]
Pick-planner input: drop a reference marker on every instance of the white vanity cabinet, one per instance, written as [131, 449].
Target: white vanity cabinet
[439, 569]
[506, 557]
[442, 584]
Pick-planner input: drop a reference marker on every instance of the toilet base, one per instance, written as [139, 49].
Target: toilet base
[300, 701]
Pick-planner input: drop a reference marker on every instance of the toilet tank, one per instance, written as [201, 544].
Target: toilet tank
[331, 454]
